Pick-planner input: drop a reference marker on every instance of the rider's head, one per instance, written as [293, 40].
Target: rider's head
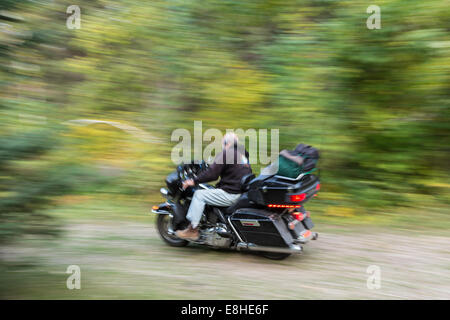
[230, 139]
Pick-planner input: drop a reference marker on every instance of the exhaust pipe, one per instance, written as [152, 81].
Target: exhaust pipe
[302, 240]
[253, 247]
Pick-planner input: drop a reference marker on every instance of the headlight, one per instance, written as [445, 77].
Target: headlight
[164, 192]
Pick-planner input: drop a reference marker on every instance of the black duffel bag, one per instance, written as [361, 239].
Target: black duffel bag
[302, 159]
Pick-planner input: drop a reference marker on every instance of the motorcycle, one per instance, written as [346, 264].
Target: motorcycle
[268, 218]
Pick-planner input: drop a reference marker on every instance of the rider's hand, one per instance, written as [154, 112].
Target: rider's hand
[188, 183]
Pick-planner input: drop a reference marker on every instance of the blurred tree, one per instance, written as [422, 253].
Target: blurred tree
[375, 102]
[30, 177]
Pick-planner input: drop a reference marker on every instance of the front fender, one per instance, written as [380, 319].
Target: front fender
[174, 210]
[164, 208]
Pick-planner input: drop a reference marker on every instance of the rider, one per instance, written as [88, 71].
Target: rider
[231, 165]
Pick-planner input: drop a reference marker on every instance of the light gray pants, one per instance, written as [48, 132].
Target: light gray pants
[214, 197]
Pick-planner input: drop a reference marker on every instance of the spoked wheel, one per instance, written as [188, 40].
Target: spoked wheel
[275, 255]
[164, 225]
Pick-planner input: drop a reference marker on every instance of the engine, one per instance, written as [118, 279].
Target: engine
[212, 236]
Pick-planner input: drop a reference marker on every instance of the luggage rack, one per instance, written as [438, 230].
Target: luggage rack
[301, 175]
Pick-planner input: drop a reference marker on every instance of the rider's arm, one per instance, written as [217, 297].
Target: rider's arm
[296, 158]
[213, 172]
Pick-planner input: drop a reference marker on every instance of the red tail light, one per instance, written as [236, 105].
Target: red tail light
[318, 187]
[297, 197]
[298, 216]
[306, 234]
[284, 205]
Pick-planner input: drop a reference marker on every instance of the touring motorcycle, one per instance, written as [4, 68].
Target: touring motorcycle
[268, 218]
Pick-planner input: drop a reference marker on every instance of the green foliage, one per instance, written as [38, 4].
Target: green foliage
[31, 174]
[375, 102]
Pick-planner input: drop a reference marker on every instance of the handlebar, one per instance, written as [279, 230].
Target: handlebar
[190, 170]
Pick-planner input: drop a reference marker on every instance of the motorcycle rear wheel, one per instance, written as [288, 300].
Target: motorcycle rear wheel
[275, 255]
[162, 224]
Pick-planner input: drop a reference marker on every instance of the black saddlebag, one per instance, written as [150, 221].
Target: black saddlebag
[261, 227]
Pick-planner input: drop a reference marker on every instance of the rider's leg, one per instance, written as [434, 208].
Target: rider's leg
[214, 197]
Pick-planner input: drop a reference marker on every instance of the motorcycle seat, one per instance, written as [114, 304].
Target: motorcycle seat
[245, 182]
[242, 202]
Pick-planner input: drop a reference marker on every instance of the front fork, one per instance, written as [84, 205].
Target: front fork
[167, 209]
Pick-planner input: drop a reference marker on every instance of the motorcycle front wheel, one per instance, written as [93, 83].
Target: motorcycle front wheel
[163, 224]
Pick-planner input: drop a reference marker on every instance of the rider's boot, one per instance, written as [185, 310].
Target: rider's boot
[189, 233]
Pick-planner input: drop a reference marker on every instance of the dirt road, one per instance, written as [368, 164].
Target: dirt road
[129, 261]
